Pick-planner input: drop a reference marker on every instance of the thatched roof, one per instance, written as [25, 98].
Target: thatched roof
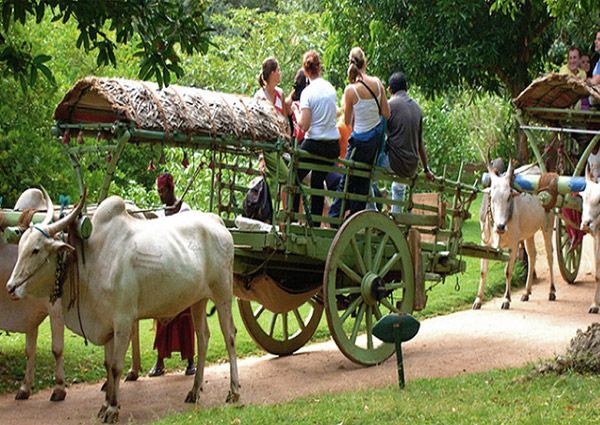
[175, 108]
[556, 91]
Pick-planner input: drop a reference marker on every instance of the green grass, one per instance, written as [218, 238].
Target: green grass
[496, 397]
[85, 364]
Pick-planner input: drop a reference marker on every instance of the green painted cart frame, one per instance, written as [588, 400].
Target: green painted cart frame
[286, 276]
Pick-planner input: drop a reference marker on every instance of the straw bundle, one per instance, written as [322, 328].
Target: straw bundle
[175, 108]
[556, 91]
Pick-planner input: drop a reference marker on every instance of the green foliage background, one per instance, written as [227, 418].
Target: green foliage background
[456, 124]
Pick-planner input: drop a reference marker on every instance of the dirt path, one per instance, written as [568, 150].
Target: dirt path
[464, 342]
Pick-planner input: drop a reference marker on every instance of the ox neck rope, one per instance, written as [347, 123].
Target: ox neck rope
[62, 265]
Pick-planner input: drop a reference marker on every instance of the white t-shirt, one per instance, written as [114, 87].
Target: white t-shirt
[184, 207]
[320, 97]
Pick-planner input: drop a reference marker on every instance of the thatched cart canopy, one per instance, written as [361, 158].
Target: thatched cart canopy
[555, 91]
[186, 110]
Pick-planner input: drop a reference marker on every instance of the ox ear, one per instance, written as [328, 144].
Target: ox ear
[514, 194]
[58, 246]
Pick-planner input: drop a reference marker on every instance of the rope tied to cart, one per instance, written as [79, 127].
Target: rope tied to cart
[549, 184]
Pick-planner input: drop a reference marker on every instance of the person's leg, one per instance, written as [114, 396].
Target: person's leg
[336, 206]
[398, 194]
[316, 202]
[363, 152]
[160, 344]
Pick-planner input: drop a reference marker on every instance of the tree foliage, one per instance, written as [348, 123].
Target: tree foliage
[443, 44]
[160, 29]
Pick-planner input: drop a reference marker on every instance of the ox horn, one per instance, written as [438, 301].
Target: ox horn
[62, 224]
[510, 172]
[588, 173]
[49, 208]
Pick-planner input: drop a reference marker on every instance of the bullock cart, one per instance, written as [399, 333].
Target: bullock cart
[561, 136]
[289, 272]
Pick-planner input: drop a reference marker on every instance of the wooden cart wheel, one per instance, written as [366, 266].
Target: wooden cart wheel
[281, 333]
[368, 274]
[569, 258]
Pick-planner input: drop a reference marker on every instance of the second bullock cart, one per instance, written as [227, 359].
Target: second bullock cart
[289, 272]
[562, 131]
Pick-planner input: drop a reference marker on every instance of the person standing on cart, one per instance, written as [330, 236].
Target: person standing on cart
[596, 72]
[178, 334]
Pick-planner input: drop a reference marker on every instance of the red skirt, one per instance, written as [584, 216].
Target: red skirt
[177, 335]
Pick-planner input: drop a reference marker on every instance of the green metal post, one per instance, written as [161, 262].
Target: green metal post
[534, 142]
[122, 140]
[585, 155]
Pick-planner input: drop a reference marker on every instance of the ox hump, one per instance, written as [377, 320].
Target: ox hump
[110, 208]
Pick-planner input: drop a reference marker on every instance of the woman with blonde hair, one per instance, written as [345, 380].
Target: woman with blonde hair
[365, 110]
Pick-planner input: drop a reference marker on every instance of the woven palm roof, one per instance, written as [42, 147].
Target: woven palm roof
[171, 109]
[556, 91]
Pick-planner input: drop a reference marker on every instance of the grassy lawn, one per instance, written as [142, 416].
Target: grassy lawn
[496, 397]
[85, 364]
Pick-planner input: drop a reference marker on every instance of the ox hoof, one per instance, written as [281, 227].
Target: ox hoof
[476, 305]
[525, 298]
[191, 397]
[232, 397]
[505, 305]
[132, 376]
[552, 297]
[58, 395]
[102, 411]
[110, 416]
[22, 395]
[594, 310]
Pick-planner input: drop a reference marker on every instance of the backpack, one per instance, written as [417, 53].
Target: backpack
[257, 203]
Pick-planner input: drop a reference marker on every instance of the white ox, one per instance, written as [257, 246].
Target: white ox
[590, 222]
[514, 217]
[136, 269]
[26, 315]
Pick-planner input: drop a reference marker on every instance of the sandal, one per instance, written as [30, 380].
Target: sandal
[156, 371]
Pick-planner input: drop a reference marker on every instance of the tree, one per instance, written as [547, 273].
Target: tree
[161, 30]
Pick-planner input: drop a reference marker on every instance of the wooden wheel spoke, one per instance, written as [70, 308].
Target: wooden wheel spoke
[299, 319]
[284, 323]
[390, 264]
[368, 248]
[272, 325]
[348, 290]
[391, 286]
[380, 251]
[369, 325]
[350, 309]
[357, 256]
[377, 312]
[349, 272]
[357, 322]
[389, 305]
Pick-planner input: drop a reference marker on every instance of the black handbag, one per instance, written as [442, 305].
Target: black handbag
[257, 203]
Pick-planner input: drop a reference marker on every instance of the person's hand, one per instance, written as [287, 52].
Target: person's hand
[261, 165]
[429, 175]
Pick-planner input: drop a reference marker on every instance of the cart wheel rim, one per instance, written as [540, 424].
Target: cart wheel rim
[569, 258]
[281, 333]
[368, 274]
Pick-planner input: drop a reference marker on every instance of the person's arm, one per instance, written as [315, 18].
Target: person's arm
[423, 155]
[305, 119]
[595, 79]
[385, 107]
[286, 109]
[348, 104]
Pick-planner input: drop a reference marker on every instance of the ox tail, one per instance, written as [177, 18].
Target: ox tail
[211, 311]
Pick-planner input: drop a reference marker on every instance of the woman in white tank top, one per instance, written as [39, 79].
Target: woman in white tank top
[365, 110]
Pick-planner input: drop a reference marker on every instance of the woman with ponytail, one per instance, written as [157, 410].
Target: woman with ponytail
[268, 80]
